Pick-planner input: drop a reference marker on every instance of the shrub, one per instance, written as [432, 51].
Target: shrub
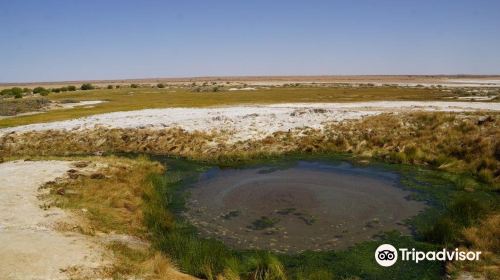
[16, 90]
[87, 86]
[134, 85]
[14, 107]
[56, 90]
[39, 90]
[71, 88]
[160, 85]
[6, 91]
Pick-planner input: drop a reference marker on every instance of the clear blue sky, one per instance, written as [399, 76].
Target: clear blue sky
[109, 39]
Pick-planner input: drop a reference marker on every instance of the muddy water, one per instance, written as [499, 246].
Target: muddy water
[309, 206]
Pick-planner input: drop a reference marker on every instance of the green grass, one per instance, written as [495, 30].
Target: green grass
[126, 99]
[208, 258]
[453, 208]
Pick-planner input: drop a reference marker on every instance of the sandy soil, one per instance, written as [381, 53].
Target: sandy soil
[250, 122]
[30, 246]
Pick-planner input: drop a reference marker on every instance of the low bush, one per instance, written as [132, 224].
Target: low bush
[15, 92]
[39, 90]
[87, 86]
[14, 107]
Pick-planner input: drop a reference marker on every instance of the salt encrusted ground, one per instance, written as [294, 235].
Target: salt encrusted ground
[249, 122]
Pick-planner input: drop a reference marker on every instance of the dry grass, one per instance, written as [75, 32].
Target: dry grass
[109, 199]
[453, 142]
[11, 107]
[462, 143]
[113, 203]
[485, 238]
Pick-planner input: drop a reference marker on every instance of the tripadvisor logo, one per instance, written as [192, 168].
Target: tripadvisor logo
[387, 255]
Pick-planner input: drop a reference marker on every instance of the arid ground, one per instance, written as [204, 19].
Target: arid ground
[94, 218]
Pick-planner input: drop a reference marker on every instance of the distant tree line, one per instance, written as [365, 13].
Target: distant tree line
[18, 92]
[15, 92]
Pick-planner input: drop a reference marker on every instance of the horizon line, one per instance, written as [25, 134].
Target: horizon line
[241, 77]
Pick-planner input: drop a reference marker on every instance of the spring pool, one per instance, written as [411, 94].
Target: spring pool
[304, 206]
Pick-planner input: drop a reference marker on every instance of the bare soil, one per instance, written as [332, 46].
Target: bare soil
[31, 247]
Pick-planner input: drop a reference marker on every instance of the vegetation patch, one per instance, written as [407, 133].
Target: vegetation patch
[231, 214]
[286, 211]
[464, 202]
[263, 223]
[137, 98]
[466, 143]
[12, 107]
[162, 195]
[112, 205]
[209, 258]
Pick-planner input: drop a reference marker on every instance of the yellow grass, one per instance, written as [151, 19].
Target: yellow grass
[485, 238]
[114, 204]
[448, 141]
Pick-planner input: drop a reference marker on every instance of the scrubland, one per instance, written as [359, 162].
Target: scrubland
[137, 196]
[127, 98]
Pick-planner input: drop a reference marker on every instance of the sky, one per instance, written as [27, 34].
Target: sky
[55, 40]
